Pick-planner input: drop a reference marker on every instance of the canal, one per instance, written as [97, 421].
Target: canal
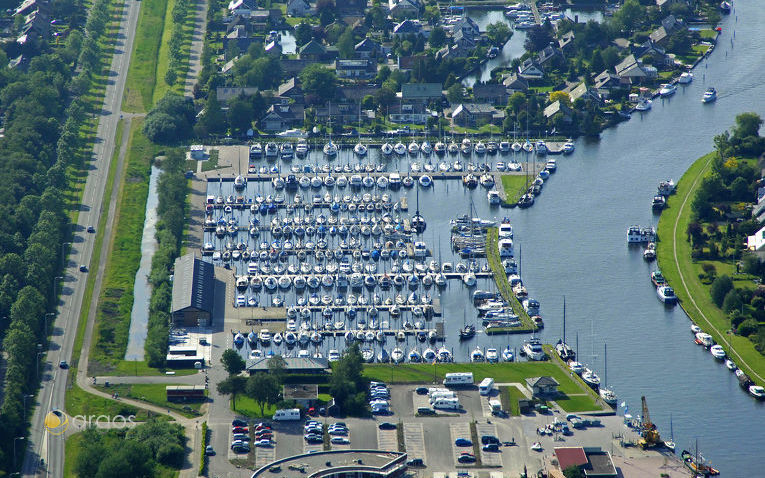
[573, 242]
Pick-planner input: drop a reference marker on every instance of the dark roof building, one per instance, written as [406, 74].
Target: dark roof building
[594, 462]
[291, 365]
[193, 291]
[421, 91]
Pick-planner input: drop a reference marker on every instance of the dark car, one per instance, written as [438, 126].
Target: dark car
[486, 439]
[91, 229]
[387, 426]
[425, 411]
[83, 268]
[415, 462]
[421, 390]
[240, 430]
[466, 459]
[63, 364]
[490, 447]
[463, 442]
[313, 438]
[238, 423]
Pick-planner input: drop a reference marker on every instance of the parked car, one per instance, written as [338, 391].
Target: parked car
[490, 447]
[486, 439]
[415, 462]
[339, 441]
[338, 431]
[91, 229]
[241, 437]
[387, 426]
[425, 411]
[266, 443]
[63, 364]
[83, 268]
[313, 438]
[463, 442]
[240, 430]
[209, 450]
[421, 390]
[236, 422]
[466, 459]
[240, 448]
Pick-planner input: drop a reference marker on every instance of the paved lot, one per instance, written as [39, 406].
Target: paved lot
[488, 458]
[387, 440]
[459, 430]
[414, 438]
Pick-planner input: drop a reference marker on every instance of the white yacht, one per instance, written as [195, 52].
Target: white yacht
[480, 148]
[414, 148]
[709, 96]
[477, 355]
[717, 352]
[608, 396]
[667, 89]
[591, 378]
[400, 148]
[533, 349]
[685, 78]
[666, 294]
[643, 104]
[492, 356]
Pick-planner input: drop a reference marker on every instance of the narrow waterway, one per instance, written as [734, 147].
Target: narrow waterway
[139, 317]
[574, 243]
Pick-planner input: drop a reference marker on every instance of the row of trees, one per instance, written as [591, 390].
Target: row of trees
[43, 116]
[171, 212]
[141, 451]
[179, 13]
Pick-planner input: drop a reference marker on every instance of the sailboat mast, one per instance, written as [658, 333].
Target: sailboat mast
[605, 363]
[564, 319]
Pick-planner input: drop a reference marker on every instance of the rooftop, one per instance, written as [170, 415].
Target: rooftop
[335, 461]
[298, 392]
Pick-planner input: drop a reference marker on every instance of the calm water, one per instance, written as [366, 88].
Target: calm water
[574, 244]
[139, 317]
[512, 49]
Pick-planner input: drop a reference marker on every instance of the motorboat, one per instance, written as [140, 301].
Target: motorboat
[657, 279]
[533, 349]
[264, 336]
[710, 95]
[591, 378]
[658, 202]
[649, 253]
[666, 294]
[414, 356]
[302, 148]
[643, 104]
[576, 367]
[494, 198]
[565, 351]
[492, 356]
[730, 365]
[568, 146]
[507, 354]
[685, 78]
[467, 332]
[667, 89]
[480, 148]
[697, 465]
[256, 151]
[477, 355]
[757, 392]
[717, 352]
[725, 7]
[272, 150]
[608, 396]
[704, 339]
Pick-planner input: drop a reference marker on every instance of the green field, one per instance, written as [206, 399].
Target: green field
[153, 393]
[515, 186]
[141, 77]
[509, 397]
[80, 402]
[141, 368]
[694, 296]
[116, 300]
[247, 407]
[577, 403]
[516, 372]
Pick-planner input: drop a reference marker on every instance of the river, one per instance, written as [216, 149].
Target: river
[573, 242]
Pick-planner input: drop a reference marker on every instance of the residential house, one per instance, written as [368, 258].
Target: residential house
[591, 461]
[672, 24]
[298, 8]
[493, 93]
[650, 49]
[29, 6]
[241, 8]
[664, 4]
[260, 20]
[531, 70]
[460, 50]
[292, 67]
[582, 91]
[225, 93]
[21, 62]
[415, 113]
[313, 50]
[632, 71]
[475, 114]
[356, 69]
[355, 93]
[36, 25]
[566, 42]
[236, 22]
[605, 82]
[621, 43]
[405, 64]
[290, 89]
[408, 27]
[366, 49]
[421, 92]
[273, 48]
[515, 84]
[542, 386]
[467, 26]
[304, 395]
[549, 56]
[238, 37]
[346, 7]
[338, 113]
[465, 42]
[403, 8]
[282, 116]
[229, 64]
[558, 107]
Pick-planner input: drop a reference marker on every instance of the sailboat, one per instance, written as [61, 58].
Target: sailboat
[360, 149]
[565, 352]
[606, 393]
[418, 222]
[696, 463]
[670, 444]
[330, 149]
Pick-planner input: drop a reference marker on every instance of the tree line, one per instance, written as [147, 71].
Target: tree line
[180, 12]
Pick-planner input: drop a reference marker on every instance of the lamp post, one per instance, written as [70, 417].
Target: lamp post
[14, 450]
[25, 396]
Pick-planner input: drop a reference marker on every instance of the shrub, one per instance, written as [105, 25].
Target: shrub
[732, 301]
[747, 327]
[720, 288]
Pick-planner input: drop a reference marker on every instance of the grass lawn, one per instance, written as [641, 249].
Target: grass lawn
[116, 300]
[141, 368]
[247, 407]
[80, 402]
[140, 84]
[515, 187]
[515, 372]
[211, 162]
[153, 393]
[509, 397]
[577, 403]
[693, 294]
[707, 34]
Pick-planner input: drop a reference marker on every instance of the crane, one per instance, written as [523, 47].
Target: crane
[649, 435]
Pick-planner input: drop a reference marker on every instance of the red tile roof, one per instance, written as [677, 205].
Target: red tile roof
[570, 456]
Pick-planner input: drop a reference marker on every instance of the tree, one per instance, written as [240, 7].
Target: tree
[720, 288]
[345, 44]
[596, 61]
[629, 15]
[303, 33]
[232, 362]
[437, 37]
[537, 38]
[233, 385]
[561, 96]
[456, 93]
[747, 124]
[732, 301]
[747, 327]
[432, 14]
[319, 81]
[213, 121]
[277, 367]
[573, 471]
[264, 389]
[240, 114]
[347, 385]
[385, 97]
[498, 33]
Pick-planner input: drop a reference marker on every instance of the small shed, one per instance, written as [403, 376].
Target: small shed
[303, 394]
[542, 386]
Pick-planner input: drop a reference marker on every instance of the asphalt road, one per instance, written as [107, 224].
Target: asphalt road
[41, 445]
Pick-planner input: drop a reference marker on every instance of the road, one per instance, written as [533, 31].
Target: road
[53, 385]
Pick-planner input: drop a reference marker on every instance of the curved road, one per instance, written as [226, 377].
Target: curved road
[41, 445]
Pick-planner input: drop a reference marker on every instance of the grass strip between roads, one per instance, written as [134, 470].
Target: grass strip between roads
[682, 273]
[141, 77]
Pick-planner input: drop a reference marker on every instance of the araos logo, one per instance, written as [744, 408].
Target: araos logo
[56, 422]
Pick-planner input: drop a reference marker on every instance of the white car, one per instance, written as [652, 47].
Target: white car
[339, 441]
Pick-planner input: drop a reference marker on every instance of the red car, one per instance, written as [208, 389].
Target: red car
[241, 430]
[311, 411]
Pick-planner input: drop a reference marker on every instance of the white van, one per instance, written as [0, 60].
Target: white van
[433, 390]
[287, 414]
[447, 404]
[458, 378]
[486, 386]
[437, 395]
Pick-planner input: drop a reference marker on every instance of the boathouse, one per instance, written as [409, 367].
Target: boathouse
[193, 292]
[542, 386]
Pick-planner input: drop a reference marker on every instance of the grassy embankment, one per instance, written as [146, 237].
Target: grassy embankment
[693, 294]
[153, 393]
[515, 186]
[500, 278]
